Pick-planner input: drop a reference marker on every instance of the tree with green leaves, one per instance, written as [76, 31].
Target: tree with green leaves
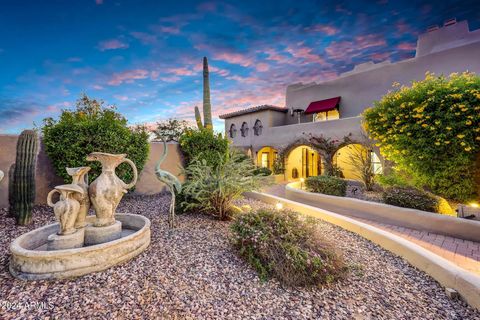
[93, 127]
[171, 129]
[431, 131]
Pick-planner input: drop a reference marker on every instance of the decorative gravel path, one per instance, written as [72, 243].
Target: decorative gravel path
[193, 273]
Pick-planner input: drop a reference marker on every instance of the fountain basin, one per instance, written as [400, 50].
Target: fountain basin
[30, 259]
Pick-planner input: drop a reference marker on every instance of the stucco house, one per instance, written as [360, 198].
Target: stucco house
[333, 108]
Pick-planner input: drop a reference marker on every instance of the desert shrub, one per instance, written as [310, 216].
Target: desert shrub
[431, 130]
[212, 189]
[203, 144]
[92, 127]
[409, 197]
[392, 179]
[280, 244]
[262, 171]
[327, 184]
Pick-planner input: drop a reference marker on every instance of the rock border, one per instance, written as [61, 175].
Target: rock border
[446, 273]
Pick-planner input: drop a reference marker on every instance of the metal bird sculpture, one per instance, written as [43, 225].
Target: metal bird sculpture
[171, 181]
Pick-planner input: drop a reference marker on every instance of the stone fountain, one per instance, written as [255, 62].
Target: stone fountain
[79, 244]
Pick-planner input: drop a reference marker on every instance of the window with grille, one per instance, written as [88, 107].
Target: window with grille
[257, 128]
[244, 129]
[233, 131]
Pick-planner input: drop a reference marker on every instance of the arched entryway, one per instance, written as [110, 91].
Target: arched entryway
[353, 158]
[302, 162]
[266, 157]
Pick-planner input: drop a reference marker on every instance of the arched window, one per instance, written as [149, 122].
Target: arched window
[244, 129]
[257, 128]
[233, 131]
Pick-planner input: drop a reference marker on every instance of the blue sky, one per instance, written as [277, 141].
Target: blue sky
[145, 56]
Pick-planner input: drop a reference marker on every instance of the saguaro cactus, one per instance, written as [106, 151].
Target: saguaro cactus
[23, 184]
[11, 176]
[207, 106]
[198, 118]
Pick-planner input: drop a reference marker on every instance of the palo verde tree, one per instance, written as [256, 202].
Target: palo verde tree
[431, 131]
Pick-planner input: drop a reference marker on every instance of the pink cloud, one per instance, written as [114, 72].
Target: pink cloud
[219, 71]
[407, 46]
[380, 56]
[170, 30]
[305, 54]
[144, 38]
[346, 50]
[262, 67]
[368, 41]
[234, 58]
[181, 71]
[98, 87]
[120, 97]
[328, 30]
[112, 45]
[275, 56]
[128, 76]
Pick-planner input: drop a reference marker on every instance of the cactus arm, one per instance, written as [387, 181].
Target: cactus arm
[198, 118]
[207, 107]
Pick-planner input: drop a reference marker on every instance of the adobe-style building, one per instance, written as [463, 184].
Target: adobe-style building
[332, 108]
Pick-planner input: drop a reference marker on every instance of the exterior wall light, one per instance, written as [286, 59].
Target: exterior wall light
[279, 206]
[302, 180]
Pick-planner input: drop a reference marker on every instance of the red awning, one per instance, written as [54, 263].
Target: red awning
[323, 105]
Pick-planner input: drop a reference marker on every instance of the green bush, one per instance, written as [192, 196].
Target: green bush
[408, 197]
[279, 244]
[203, 144]
[212, 189]
[93, 128]
[391, 180]
[327, 184]
[431, 131]
[262, 171]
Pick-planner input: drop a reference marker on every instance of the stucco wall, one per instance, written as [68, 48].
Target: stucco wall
[46, 179]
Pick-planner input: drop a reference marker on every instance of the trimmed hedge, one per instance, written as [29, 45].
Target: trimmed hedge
[261, 171]
[408, 197]
[279, 244]
[327, 184]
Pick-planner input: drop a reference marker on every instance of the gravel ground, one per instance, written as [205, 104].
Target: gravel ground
[193, 273]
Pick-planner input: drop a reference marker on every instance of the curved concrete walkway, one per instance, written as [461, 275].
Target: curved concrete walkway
[463, 253]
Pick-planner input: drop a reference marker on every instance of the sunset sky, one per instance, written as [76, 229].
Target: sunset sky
[145, 56]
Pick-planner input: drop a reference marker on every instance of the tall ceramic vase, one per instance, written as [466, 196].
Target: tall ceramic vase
[79, 177]
[67, 208]
[107, 190]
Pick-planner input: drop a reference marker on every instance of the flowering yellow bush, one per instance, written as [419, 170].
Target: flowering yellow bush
[431, 130]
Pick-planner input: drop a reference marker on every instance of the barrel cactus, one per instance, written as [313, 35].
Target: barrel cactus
[207, 106]
[22, 186]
